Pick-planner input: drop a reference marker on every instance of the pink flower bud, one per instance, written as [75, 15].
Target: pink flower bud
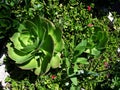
[53, 76]
[90, 25]
[106, 64]
[89, 8]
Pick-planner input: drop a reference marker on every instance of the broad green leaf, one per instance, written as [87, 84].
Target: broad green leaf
[48, 24]
[59, 46]
[29, 48]
[45, 64]
[38, 70]
[21, 27]
[16, 42]
[57, 37]
[83, 43]
[31, 27]
[47, 68]
[42, 30]
[67, 62]
[74, 80]
[76, 67]
[17, 55]
[55, 61]
[93, 51]
[25, 39]
[80, 48]
[56, 34]
[82, 60]
[29, 65]
[48, 45]
[45, 35]
[72, 87]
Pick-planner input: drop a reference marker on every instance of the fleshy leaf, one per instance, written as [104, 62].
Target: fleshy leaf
[37, 70]
[16, 42]
[45, 65]
[17, 55]
[57, 37]
[55, 61]
[48, 45]
[29, 65]
[34, 45]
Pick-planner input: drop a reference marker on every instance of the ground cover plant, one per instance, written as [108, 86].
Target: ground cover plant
[60, 44]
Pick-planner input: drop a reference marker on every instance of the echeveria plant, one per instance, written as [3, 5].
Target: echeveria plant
[36, 46]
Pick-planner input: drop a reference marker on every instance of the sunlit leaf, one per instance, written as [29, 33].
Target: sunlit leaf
[82, 60]
[74, 80]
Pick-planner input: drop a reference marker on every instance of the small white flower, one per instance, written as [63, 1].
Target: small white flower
[82, 89]
[67, 83]
[81, 72]
[110, 17]
[118, 50]
[118, 60]
[3, 75]
[2, 59]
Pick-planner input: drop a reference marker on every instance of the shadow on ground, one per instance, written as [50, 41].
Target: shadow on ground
[17, 73]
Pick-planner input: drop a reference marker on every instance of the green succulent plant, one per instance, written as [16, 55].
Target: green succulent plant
[36, 46]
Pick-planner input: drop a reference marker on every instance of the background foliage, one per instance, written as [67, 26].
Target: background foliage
[89, 60]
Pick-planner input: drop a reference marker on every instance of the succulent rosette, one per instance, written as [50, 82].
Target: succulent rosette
[36, 46]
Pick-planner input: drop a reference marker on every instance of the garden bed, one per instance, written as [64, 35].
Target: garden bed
[59, 45]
